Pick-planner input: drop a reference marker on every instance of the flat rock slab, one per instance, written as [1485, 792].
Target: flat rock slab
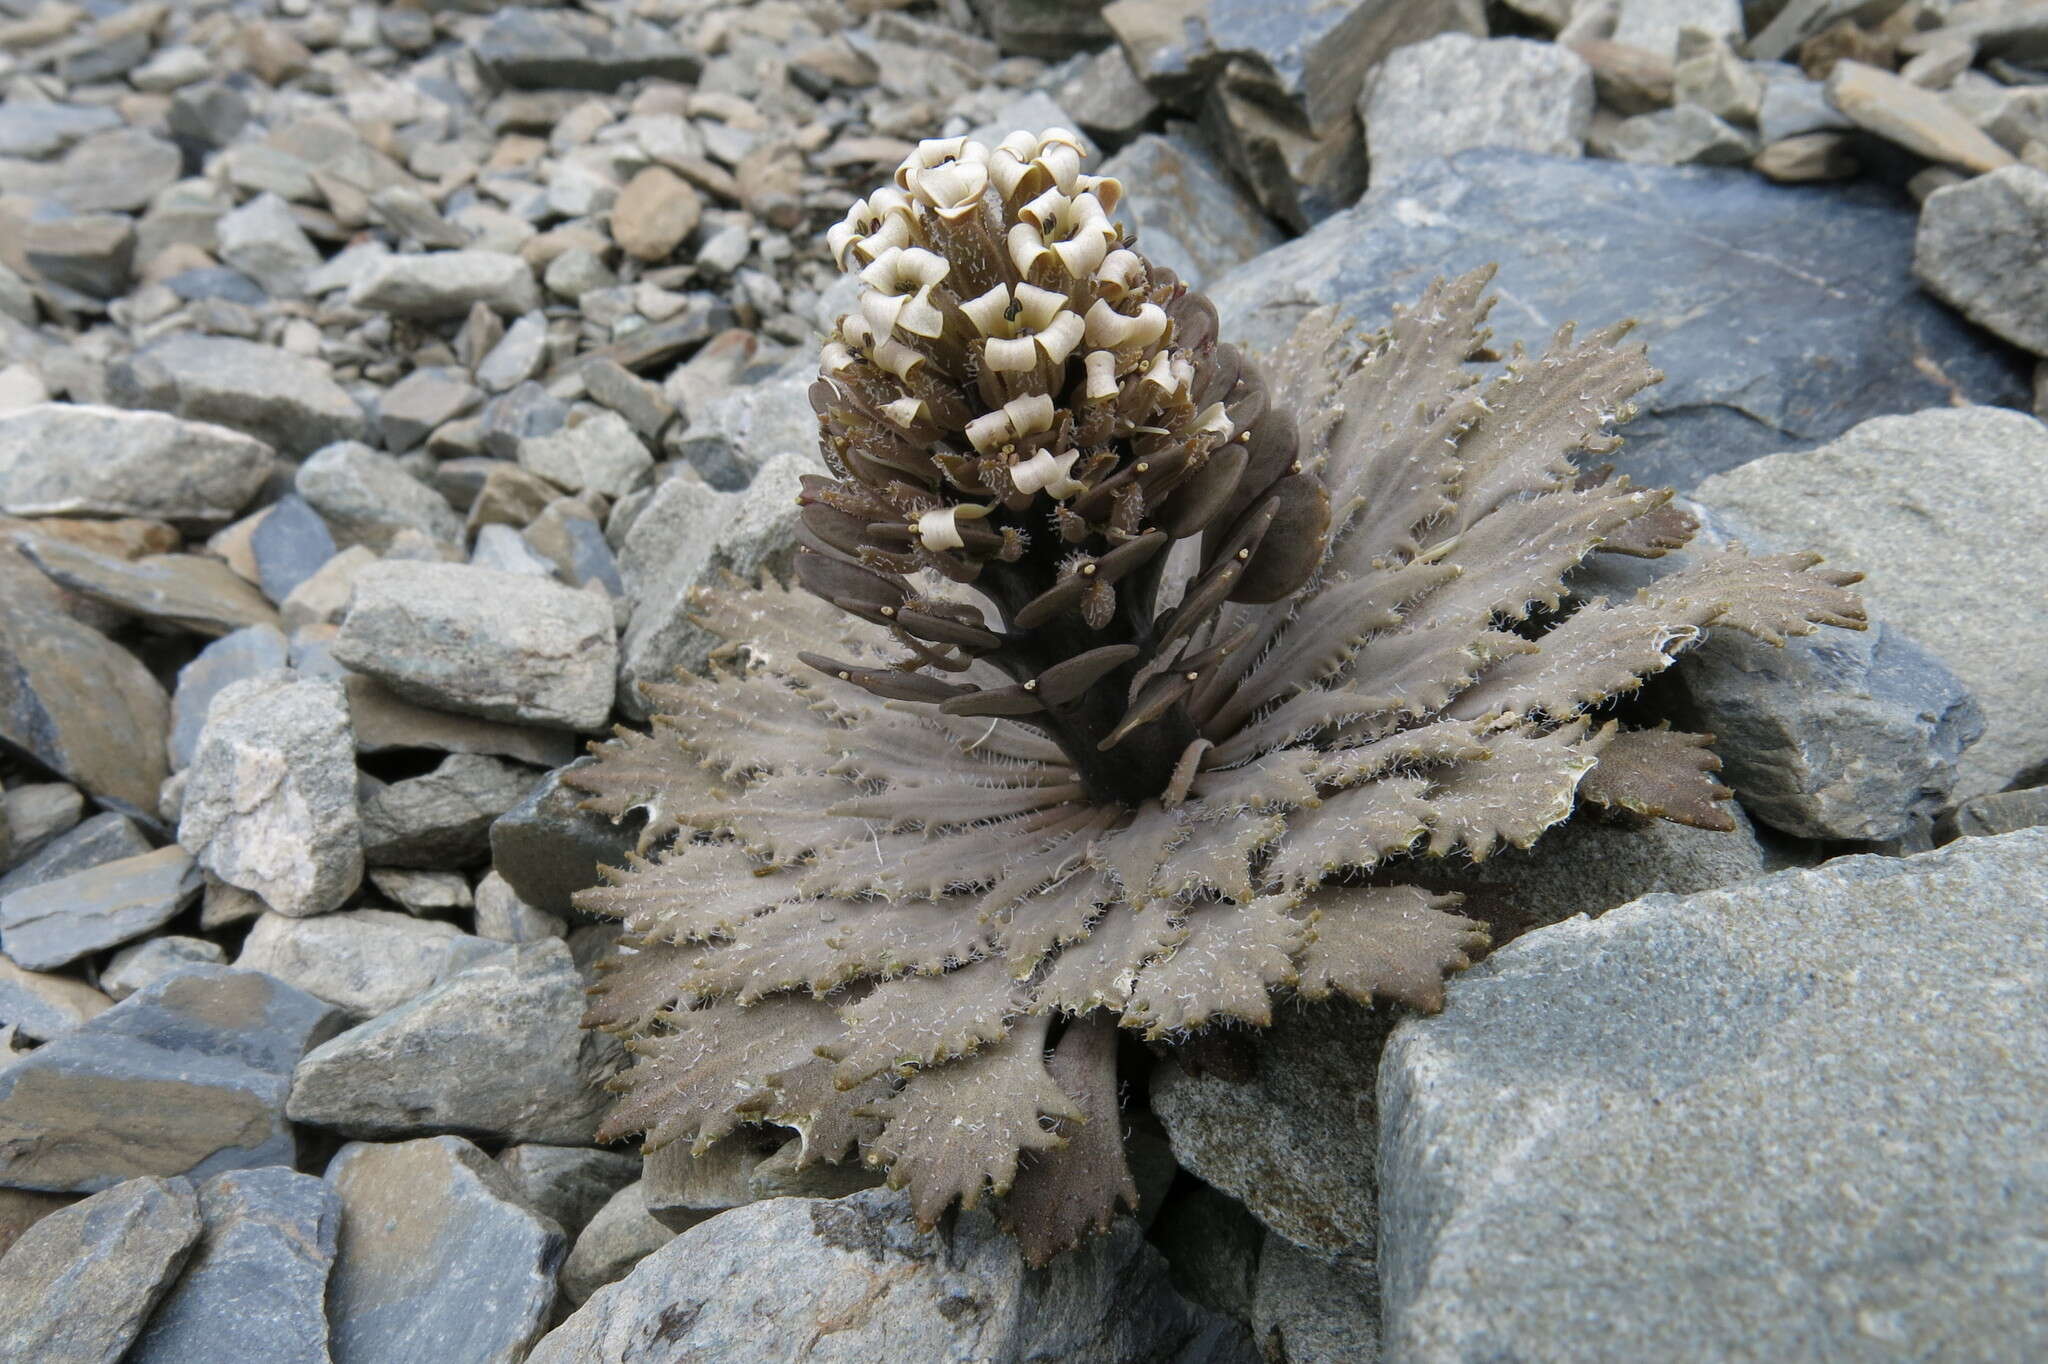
[185, 591]
[78, 1285]
[1187, 209]
[549, 50]
[255, 1290]
[1943, 512]
[289, 400]
[568, 1183]
[186, 1076]
[1780, 315]
[496, 1050]
[853, 1279]
[270, 797]
[1979, 249]
[79, 459]
[40, 1006]
[80, 704]
[1789, 1120]
[367, 961]
[98, 841]
[439, 1258]
[503, 646]
[55, 923]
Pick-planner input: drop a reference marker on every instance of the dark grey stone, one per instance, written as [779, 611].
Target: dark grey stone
[551, 50]
[90, 252]
[229, 659]
[524, 412]
[289, 400]
[104, 838]
[533, 1074]
[78, 1285]
[439, 1258]
[217, 281]
[442, 818]
[367, 497]
[55, 923]
[1189, 213]
[567, 1183]
[208, 115]
[547, 848]
[1790, 1120]
[290, 543]
[2001, 812]
[255, 1290]
[1781, 315]
[187, 1076]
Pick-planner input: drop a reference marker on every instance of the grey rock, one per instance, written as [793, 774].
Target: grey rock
[1684, 136]
[367, 497]
[40, 1006]
[1852, 335]
[527, 411]
[1652, 1118]
[600, 455]
[102, 839]
[216, 282]
[40, 130]
[384, 723]
[265, 242]
[439, 1259]
[1918, 120]
[79, 459]
[270, 801]
[1799, 20]
[1105, 96]
[1455, 91]
[366, 961]
[421, 401]
[496, 1050]
[681, 1186]
[516, 358]
[290, 543]
[80, 704]
[498, 645]
[186, 1076]
[569, 537]
[762, 1281]
[500, 549]
[55, 923]
[144, 964]
[317, 605]
[619, 1236]
[80, 1283]
[534, 49]
[442, 818]
[1708, 73]
[1976, 251]
[91, 253]
[1044, 28]
[1316, 1309]
[288, 400]
[1653, 25]
[208, 115]
[641, 403]
[39, 811]
[548, 847]
[736, 434]
[567, 1184]
[118, 171]
[688, 537]
[183, 591]
[255, 1289]
[1188, 212]
[1793, 105]
[2001, 812]
[1212, 1248]
[502, 915]
[423, 893]
[1300, 176]
[1939, 510]
[443, 284]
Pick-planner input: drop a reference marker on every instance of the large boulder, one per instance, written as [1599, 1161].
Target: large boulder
[1780, 315]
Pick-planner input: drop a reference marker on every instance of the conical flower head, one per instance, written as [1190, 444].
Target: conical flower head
[1129, 697]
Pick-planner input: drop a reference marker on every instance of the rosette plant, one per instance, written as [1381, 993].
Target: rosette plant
[1126, 679]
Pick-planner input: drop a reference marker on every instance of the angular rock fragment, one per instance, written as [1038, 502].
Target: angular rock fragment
[289, 400]
[548, 846]
[567, 1184]
[1631, 1117]
[439, 1259]
[1978, 249]
[442, 818]
[565, 50]
[187, 1076]
[40, 1006]
[367, 498]
[255, 1287]
[385, 723]
[1455, 91]
[762, 1281]
[78, 1285]
[1187, 210]
[496, 1050]
[290, 544]
[499, 645]
[600, 455]
[145, 963]
[619, 1236]
[97, 841]
[79, 459]
[185, 591]
[270, 797]
[441, 284]
[366, 961]
[54, 924]
[229, 659]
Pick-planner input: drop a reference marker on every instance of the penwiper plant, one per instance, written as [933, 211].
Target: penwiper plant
[1128, 678]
